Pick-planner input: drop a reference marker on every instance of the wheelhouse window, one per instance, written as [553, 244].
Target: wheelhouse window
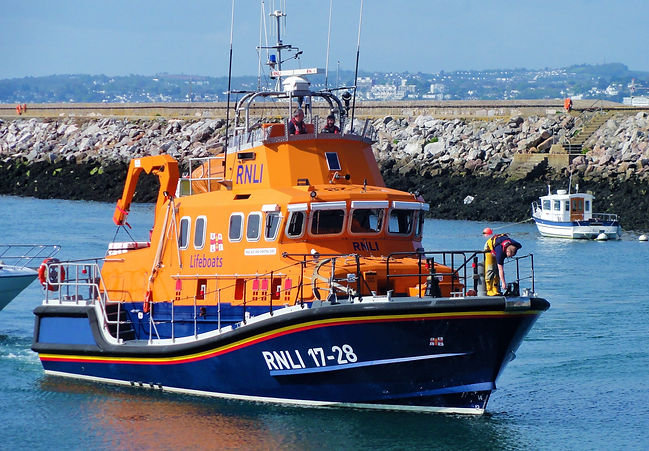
[587, 205]
[273, 221]
[546, 204]
[199, 232]
[295, 224]
[566, 206]
[556, 205]
[419, 225]
[236, 227]
[327, 222]
[253, 229]
[401, 221]
[367, 220]
[183, 235]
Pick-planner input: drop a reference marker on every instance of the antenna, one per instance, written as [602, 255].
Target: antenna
[328, 41]
[358, 50]
[259, 49]
[227, 108]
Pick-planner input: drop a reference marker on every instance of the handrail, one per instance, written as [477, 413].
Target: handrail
[463, 266]
[26, 258]
[605, 216]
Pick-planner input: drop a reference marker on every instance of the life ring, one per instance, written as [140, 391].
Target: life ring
[51, 281]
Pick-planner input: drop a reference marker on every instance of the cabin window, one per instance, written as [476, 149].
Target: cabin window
[253, 229]
[587, 205]
[199, 232]
[367, 220]
[273, 220]
[546, 204]
[401, 221]
[327, 222]
[183, 236]
[236, 227]
[332, 161]
[556, 205]
[295, 226]
[567, 206]
[419, 225]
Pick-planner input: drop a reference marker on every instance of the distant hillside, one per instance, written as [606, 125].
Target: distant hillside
[605, 81]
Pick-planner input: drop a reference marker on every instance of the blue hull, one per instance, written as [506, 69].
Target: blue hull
[440, 356]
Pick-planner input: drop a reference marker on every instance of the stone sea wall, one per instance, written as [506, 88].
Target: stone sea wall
[461, 167]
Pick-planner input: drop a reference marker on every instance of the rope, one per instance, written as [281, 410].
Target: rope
[511, 224]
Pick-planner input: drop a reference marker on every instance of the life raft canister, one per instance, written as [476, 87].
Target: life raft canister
[51, 280]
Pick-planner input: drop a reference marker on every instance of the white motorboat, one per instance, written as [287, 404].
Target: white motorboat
[570, 215]
[18, 267]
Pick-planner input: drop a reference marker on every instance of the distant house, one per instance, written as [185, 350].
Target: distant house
[636, 101]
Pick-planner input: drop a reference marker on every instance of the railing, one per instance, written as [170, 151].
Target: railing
[208, 175]
[521, 277]
[80, 283]
[27, 255]
[459, 275]
[604, 217]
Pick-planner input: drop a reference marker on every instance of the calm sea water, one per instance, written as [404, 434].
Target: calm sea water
[580, 379]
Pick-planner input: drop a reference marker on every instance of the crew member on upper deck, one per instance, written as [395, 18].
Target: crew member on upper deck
[331, 125]
[497, 248]
[296, 124]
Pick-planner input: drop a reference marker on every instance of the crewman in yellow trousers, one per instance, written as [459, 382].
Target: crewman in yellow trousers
[496, 249]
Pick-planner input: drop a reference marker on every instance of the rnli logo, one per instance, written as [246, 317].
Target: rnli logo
[216, 242]
[365, 246]
[250, 173]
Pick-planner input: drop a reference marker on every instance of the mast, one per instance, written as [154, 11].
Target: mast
[227, 108]
[278, 47]
[358, 51]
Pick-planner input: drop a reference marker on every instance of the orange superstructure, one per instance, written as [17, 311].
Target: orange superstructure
[258, 230]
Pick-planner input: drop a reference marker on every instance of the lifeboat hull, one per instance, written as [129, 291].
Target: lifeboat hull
[442, 355]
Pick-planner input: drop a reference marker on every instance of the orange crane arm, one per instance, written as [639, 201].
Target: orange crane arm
[163, 166]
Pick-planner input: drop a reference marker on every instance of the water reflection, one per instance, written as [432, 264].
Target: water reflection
[130, 418]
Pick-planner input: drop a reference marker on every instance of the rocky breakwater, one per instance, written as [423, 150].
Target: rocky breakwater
[463, 168]
[76, 159]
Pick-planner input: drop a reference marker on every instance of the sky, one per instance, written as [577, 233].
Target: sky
[147, 37]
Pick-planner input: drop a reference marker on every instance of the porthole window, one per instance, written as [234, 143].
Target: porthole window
[236, 227]
[295, 225]
[327, 222]
[183, 234]
[401, 221]
[199, 232]
[273, 221]
[253, 228]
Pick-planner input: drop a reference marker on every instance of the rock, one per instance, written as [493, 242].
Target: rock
[433, 149]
